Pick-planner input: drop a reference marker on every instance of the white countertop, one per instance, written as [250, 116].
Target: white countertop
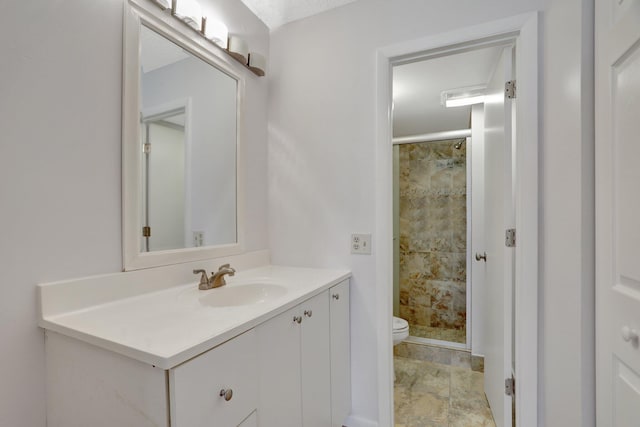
[167, 327]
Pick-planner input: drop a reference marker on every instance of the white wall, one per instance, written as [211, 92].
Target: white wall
[60, 172]
[322, 159]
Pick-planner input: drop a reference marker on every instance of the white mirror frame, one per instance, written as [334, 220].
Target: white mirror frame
[146, 12]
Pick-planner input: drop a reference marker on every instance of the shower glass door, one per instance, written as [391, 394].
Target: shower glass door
[431, 205]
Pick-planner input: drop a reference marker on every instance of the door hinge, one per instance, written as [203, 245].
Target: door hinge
[510, 89]
[146, 148]
[146, 231]
[510, 237]
[510, 386]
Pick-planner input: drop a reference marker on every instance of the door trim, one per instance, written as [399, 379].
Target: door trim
[525, 26]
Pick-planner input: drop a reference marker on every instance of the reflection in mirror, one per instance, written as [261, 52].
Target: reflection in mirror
[163, 189]
[188, 140]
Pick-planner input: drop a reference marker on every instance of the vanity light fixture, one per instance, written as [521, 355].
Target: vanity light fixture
[257, 63]
[188, 11]
[215, 31]
[463, 96]
[238, 48]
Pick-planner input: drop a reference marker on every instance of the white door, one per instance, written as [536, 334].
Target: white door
[498, 217]
[617, 212]
[166, 186]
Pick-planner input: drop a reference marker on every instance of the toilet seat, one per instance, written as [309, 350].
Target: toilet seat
[400, 330]
[400, 325]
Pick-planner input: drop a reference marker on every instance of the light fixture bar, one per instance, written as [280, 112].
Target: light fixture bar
[463, 96]
[469, 100]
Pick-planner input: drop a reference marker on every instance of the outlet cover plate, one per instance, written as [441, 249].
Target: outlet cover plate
[361, 244]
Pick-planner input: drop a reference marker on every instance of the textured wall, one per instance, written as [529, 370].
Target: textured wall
[433, 229]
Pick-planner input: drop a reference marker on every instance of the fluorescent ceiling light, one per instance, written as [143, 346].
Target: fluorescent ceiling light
[459, 102]
[463, 96]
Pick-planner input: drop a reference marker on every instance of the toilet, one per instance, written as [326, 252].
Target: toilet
[400, 330]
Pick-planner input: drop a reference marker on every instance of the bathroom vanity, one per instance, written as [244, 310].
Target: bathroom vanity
[271, 348]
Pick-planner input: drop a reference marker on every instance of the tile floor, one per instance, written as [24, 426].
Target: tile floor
[429, 394]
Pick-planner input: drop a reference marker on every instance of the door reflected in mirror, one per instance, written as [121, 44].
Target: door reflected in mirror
[188, 137]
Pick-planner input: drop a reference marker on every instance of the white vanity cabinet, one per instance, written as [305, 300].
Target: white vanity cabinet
[297, 382]
[283, 369]
[217, 387]
[339, 324]
[89, 386]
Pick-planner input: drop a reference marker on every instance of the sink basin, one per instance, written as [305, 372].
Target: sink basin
[235, 295]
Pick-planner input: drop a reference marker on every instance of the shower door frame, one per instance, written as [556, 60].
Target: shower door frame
[524, 29]
[435, 137]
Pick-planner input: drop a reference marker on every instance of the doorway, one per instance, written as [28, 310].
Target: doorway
[433, 97]
[522, 29]
[163, 174]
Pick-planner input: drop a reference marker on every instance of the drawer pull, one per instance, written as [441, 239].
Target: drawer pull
[227, 394]
[308, 313]
[336, 296]
[297, 319]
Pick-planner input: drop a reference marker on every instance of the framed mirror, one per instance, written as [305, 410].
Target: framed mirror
[181, 151]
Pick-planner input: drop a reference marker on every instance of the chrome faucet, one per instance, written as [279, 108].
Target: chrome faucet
[217, 279]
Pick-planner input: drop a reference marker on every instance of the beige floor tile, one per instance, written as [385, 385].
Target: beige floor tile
[434, 395]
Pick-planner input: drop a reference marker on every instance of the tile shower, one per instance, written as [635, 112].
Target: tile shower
[433, 239]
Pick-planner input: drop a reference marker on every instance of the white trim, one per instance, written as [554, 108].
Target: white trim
[353, 421]
[526, 25]
[136, 13]
[435, 136]
[383, 243]
[526, 205]
[470, 246]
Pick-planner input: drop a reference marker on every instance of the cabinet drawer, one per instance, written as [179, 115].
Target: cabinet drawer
[195, 386]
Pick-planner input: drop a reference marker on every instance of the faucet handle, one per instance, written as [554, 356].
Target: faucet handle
[203, 278]
[224, 266]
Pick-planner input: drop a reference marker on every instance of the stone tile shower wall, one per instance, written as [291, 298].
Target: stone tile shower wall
[433, 239]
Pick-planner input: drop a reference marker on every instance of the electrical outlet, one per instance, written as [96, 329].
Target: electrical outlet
[361, 244]
[198, 239]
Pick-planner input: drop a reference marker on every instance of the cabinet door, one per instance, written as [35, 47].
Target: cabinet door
[196, 385]
[340, 353]
[316, 366]
[279, 371]
[251, 421]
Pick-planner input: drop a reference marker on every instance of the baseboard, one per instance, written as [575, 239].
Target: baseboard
[353, 421]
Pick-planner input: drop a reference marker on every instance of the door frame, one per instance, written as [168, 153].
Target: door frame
[526, 29]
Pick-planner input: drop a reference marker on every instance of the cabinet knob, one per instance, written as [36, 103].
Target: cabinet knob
[336, 296]
[297, 319]
[308, 313]
[629, 334]
[227, 394]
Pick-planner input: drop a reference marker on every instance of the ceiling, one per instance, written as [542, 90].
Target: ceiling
[275, 13]
[417, 88]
